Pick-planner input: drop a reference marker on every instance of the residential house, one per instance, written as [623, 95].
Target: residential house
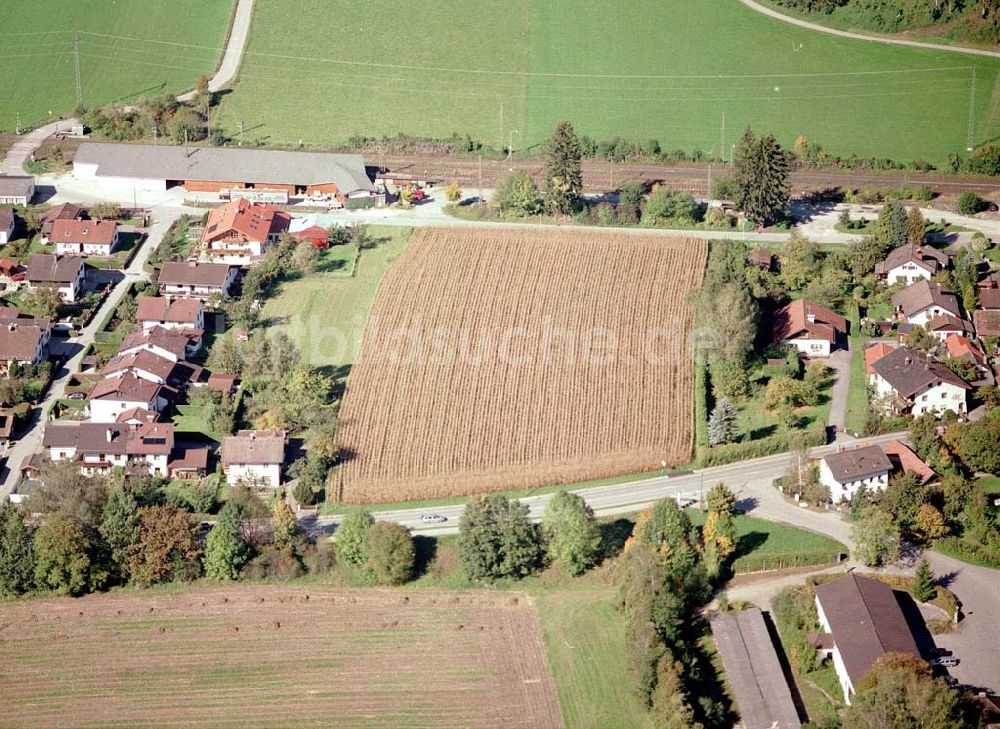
[989, 299]
[193, 280]
[254, 456]
[908, 381]
[7, 222]
[66, 211]
[23, 342]
[944, 326]
[812, 329]
[924, 300]
[66, 273]
[168, 343]
[962, 348]
[863, 622]
[223, 383]
[987, 323]
[9, 269]
[187, 462]
[874, 353]
[177, 314]
[845, 472]
[240, 232]
[85, 237]
[114, 395]
[16, 189]
[100, 447]
[911, 263]
[150, 366]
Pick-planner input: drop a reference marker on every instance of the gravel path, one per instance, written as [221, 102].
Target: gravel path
[861, 36]
[234, 50]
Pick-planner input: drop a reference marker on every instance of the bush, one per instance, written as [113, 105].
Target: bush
[496, 539]
[969, 203]
[390, 553]
[666, 206]
[351, 538]
[274, 563]
[517, 195]
[781, 443]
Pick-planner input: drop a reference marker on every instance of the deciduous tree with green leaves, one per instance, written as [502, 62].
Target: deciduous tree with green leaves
[876, 537]
[226, 551]
[517, 196]
[496, 539]
[572, 535]
[119, 528]
[350, 541]
[66, 556]
[390, 553]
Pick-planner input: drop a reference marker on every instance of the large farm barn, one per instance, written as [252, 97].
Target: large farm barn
[210, 169]
[506, 359]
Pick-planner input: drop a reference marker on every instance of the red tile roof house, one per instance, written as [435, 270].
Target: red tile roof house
[863, 622]
[924, 300]
[67, 273]
[85, 237]
[192, 280]
[254, 457]
[911, 263]
[66, 211]
[911, 382]
[6, 225]
[813, 330]
[874, 353]
[112, 396]
[240, 232]
[963, 348]
[100, 447]
[23, 342]
[181, 315]
[905, 460]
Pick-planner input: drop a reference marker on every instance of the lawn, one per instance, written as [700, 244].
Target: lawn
[191, 420]
[127, 50]
[325, 313]
[990, 484]
[584, 637]
[857, 395]
[507, 72]
[762, 544]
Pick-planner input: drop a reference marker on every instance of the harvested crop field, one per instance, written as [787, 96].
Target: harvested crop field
[276, 656]
[509, 358]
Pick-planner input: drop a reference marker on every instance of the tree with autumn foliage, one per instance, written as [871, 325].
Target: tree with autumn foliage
[167, 547]
[900, 691]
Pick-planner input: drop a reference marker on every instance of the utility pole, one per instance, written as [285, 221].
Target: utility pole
[722, 138]
[709, 196]
[17, 124]
[480, 179]
[241, 132]
[154, 134]
[972, 112]
[611, 165]
[501, 125]
[76, 64]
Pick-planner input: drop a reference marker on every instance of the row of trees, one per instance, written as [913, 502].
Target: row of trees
[96, 535]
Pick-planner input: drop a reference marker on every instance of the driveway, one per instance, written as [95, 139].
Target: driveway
[840, 362]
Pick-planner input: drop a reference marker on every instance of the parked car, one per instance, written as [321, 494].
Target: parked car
[433, 519]
[946, 662]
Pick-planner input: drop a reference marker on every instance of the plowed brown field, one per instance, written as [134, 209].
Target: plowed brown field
[509, 358]
[269, 656]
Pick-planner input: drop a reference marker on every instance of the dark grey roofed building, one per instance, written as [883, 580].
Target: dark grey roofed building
[754, 671]
[858, 464]
[16, 189]
[908, 372]
[233, 166]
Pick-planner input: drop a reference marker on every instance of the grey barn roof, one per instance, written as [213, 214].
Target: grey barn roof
[753, 670]
[225, 164]
[16, 184]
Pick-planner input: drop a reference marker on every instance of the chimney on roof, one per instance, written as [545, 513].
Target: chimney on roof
[811, 318]
[109, 435]
[906, 360]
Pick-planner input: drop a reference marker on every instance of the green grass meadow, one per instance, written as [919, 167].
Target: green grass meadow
[128, 49]
[325, 313]
[663, 69]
